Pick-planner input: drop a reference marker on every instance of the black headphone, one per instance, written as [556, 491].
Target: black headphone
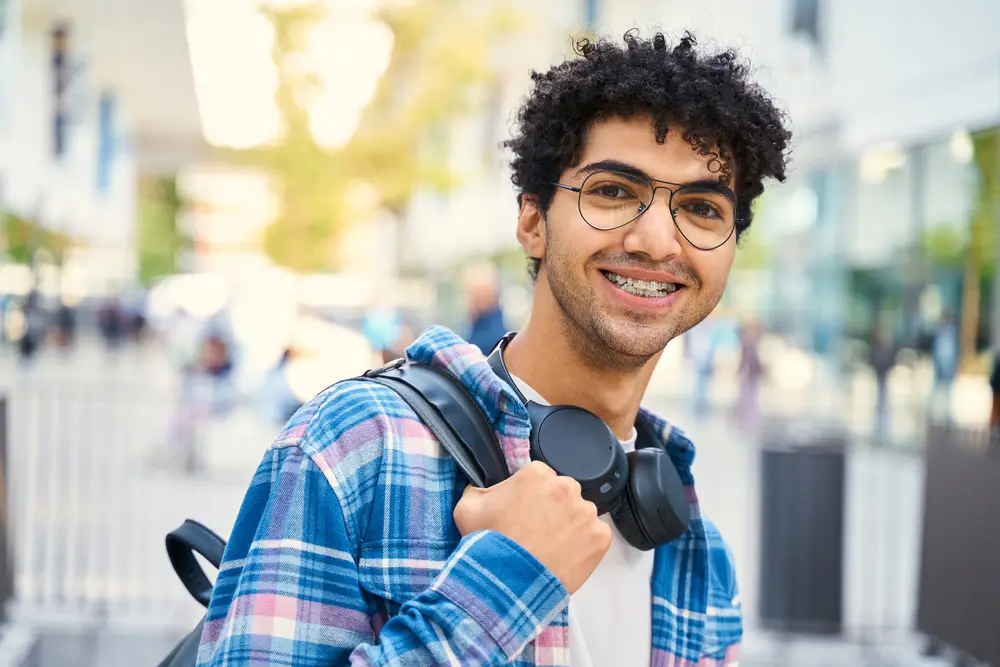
[642, 491]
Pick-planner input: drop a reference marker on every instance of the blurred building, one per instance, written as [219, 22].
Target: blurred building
[886, 105]
[93, 93]
[887, 114]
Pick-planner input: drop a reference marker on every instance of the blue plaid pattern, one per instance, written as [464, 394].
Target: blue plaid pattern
[345, 551]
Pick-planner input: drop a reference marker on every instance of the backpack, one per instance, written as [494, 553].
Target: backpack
[441, 403]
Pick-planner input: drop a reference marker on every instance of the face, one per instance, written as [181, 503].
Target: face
[581, 266]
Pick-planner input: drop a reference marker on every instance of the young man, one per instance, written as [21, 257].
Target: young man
[636, 165]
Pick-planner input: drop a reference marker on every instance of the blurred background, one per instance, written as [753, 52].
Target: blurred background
[212, 209]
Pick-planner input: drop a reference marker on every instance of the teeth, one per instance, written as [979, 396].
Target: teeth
[641, 287]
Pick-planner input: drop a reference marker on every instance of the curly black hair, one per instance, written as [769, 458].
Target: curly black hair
[710, 95]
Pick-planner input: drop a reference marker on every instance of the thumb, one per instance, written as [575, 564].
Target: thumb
[473, 492]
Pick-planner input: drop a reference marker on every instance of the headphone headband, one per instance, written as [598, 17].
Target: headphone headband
[496, 362]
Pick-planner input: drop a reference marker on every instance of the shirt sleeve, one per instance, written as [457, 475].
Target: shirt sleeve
[288, 591]
[724, 620]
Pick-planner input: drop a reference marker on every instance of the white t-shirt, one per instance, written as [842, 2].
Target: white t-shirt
[610, 617]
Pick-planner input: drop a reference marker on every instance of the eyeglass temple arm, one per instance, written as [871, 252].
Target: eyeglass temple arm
[566, 187]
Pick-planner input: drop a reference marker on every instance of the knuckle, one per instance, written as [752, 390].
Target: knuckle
[558, 489]
[539, 470]
[569, 486]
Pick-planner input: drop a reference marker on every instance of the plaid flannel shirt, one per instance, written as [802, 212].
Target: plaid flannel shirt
[345, 551]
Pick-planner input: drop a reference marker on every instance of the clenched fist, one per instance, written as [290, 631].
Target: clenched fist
[546, 515]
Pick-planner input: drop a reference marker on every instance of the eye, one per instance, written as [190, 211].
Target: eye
[703, 209]
[612, 191]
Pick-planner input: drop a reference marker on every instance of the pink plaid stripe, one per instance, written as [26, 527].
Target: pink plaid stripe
[667, 659]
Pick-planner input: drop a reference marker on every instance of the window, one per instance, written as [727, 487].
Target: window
[590, 14]
[805, 19]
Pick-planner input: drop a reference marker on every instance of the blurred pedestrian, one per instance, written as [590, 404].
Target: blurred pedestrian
[110, 323]
[34, 327]
[700, 346]
[482, 294]
[751, 370]
[5, 302]
[404, 336]
[207, 391]
[944, 354]
[278, 400]
[382, 328]
[881, 358]
[65, 323]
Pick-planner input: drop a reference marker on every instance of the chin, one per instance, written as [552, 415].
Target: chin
[631, 339]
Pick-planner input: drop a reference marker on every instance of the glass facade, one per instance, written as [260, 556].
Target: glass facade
[879, 238]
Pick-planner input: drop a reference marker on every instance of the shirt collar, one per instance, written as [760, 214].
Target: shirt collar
[441, 348]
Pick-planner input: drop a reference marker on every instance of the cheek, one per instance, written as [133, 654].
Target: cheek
[573, 240]
[713, 267]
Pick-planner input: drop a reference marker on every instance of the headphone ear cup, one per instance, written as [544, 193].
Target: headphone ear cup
[627, 522]
[656, 496]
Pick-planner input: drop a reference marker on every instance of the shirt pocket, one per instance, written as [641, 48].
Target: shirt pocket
[398, 570]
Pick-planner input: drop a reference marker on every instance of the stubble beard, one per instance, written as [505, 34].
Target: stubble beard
[621, 344]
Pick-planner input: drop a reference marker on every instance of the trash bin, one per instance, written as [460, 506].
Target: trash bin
[802, 528]
[6, 526]
[959, 597]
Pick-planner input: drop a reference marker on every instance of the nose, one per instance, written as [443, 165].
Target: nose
[653, 233]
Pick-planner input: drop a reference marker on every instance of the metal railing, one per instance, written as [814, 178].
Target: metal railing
[92, 495]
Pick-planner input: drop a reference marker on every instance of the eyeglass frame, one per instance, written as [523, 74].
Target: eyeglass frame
[652, 184]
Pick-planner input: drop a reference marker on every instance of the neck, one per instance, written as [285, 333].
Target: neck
[544, 356]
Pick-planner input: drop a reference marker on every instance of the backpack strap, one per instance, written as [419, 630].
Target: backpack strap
[182, 543]
[451, 414]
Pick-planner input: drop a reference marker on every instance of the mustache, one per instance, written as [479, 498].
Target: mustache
[676, 268]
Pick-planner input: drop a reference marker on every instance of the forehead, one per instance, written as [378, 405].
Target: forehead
[633, 141]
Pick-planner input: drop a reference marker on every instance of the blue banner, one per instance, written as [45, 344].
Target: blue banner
[106, 143]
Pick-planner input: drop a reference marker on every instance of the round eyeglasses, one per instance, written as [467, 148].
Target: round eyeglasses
[611, 199]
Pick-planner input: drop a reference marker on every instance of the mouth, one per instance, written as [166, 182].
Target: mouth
[647, 289]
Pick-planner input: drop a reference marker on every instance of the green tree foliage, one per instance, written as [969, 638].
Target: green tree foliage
[983, 226]
[439, 62]
[160, 241]
[973, 251]
[23, 238]
[980, 252]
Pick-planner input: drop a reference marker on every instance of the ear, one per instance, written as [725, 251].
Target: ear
[531, 227]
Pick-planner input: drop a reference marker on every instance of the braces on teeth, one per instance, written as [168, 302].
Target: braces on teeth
[641, 287]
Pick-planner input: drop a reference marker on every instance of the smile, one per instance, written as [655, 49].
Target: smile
[645, 288]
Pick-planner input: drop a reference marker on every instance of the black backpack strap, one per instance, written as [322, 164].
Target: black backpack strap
[182, 543]
[454, 418]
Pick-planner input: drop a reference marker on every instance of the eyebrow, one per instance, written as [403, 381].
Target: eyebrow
[711, 184]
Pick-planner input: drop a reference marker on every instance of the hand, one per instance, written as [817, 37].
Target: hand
[546, 515]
